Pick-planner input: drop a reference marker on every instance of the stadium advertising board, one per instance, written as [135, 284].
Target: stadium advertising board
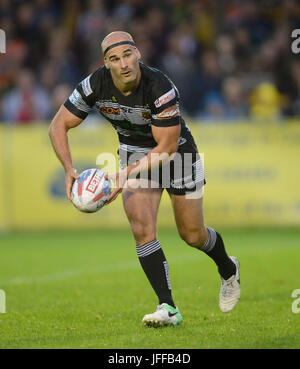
[252, 175]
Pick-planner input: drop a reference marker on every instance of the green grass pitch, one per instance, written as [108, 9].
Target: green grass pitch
[87, 290]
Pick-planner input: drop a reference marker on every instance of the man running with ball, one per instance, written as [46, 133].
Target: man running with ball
[142, 104]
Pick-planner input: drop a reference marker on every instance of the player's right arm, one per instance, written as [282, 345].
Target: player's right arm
[75, 109]
[61, 123]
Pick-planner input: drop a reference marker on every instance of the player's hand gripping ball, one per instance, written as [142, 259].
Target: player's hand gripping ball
[90, 191]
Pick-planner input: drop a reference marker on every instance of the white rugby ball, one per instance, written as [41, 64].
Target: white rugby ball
[90, 190]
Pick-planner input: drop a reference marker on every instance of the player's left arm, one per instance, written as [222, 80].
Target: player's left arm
[166, 130]
[167, 144]
[165, 126]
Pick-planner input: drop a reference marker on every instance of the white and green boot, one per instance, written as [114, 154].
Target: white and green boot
[230, 291]
[164, 315]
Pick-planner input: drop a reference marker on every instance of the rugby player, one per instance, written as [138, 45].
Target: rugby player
[142, 104]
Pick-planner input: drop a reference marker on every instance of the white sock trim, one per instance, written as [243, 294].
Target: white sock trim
[147, 248]
[211, 240]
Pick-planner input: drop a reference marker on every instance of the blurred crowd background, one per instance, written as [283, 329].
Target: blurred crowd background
[231, 60]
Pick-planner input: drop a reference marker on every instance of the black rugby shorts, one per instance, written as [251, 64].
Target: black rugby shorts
[182, 175]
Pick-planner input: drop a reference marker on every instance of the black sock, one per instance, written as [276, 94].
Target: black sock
[156, 268]
[215, 249]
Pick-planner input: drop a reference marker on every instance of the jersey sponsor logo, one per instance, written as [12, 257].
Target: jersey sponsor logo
[109, 110]
[164, 99]
[117, 113]
[86, 86]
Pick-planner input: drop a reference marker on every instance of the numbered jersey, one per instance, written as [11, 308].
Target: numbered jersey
[154, 102]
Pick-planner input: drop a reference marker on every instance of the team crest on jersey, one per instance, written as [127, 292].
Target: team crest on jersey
[146, 114]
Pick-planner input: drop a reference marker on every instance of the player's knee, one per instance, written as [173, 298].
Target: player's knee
[143, 233]
[194, 238]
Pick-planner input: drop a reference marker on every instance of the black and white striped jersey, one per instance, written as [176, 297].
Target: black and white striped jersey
[154, 102]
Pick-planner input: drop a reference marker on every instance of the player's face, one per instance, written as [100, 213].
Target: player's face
[123, 62]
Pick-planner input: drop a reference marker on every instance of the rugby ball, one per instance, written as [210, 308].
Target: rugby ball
[90, 190]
